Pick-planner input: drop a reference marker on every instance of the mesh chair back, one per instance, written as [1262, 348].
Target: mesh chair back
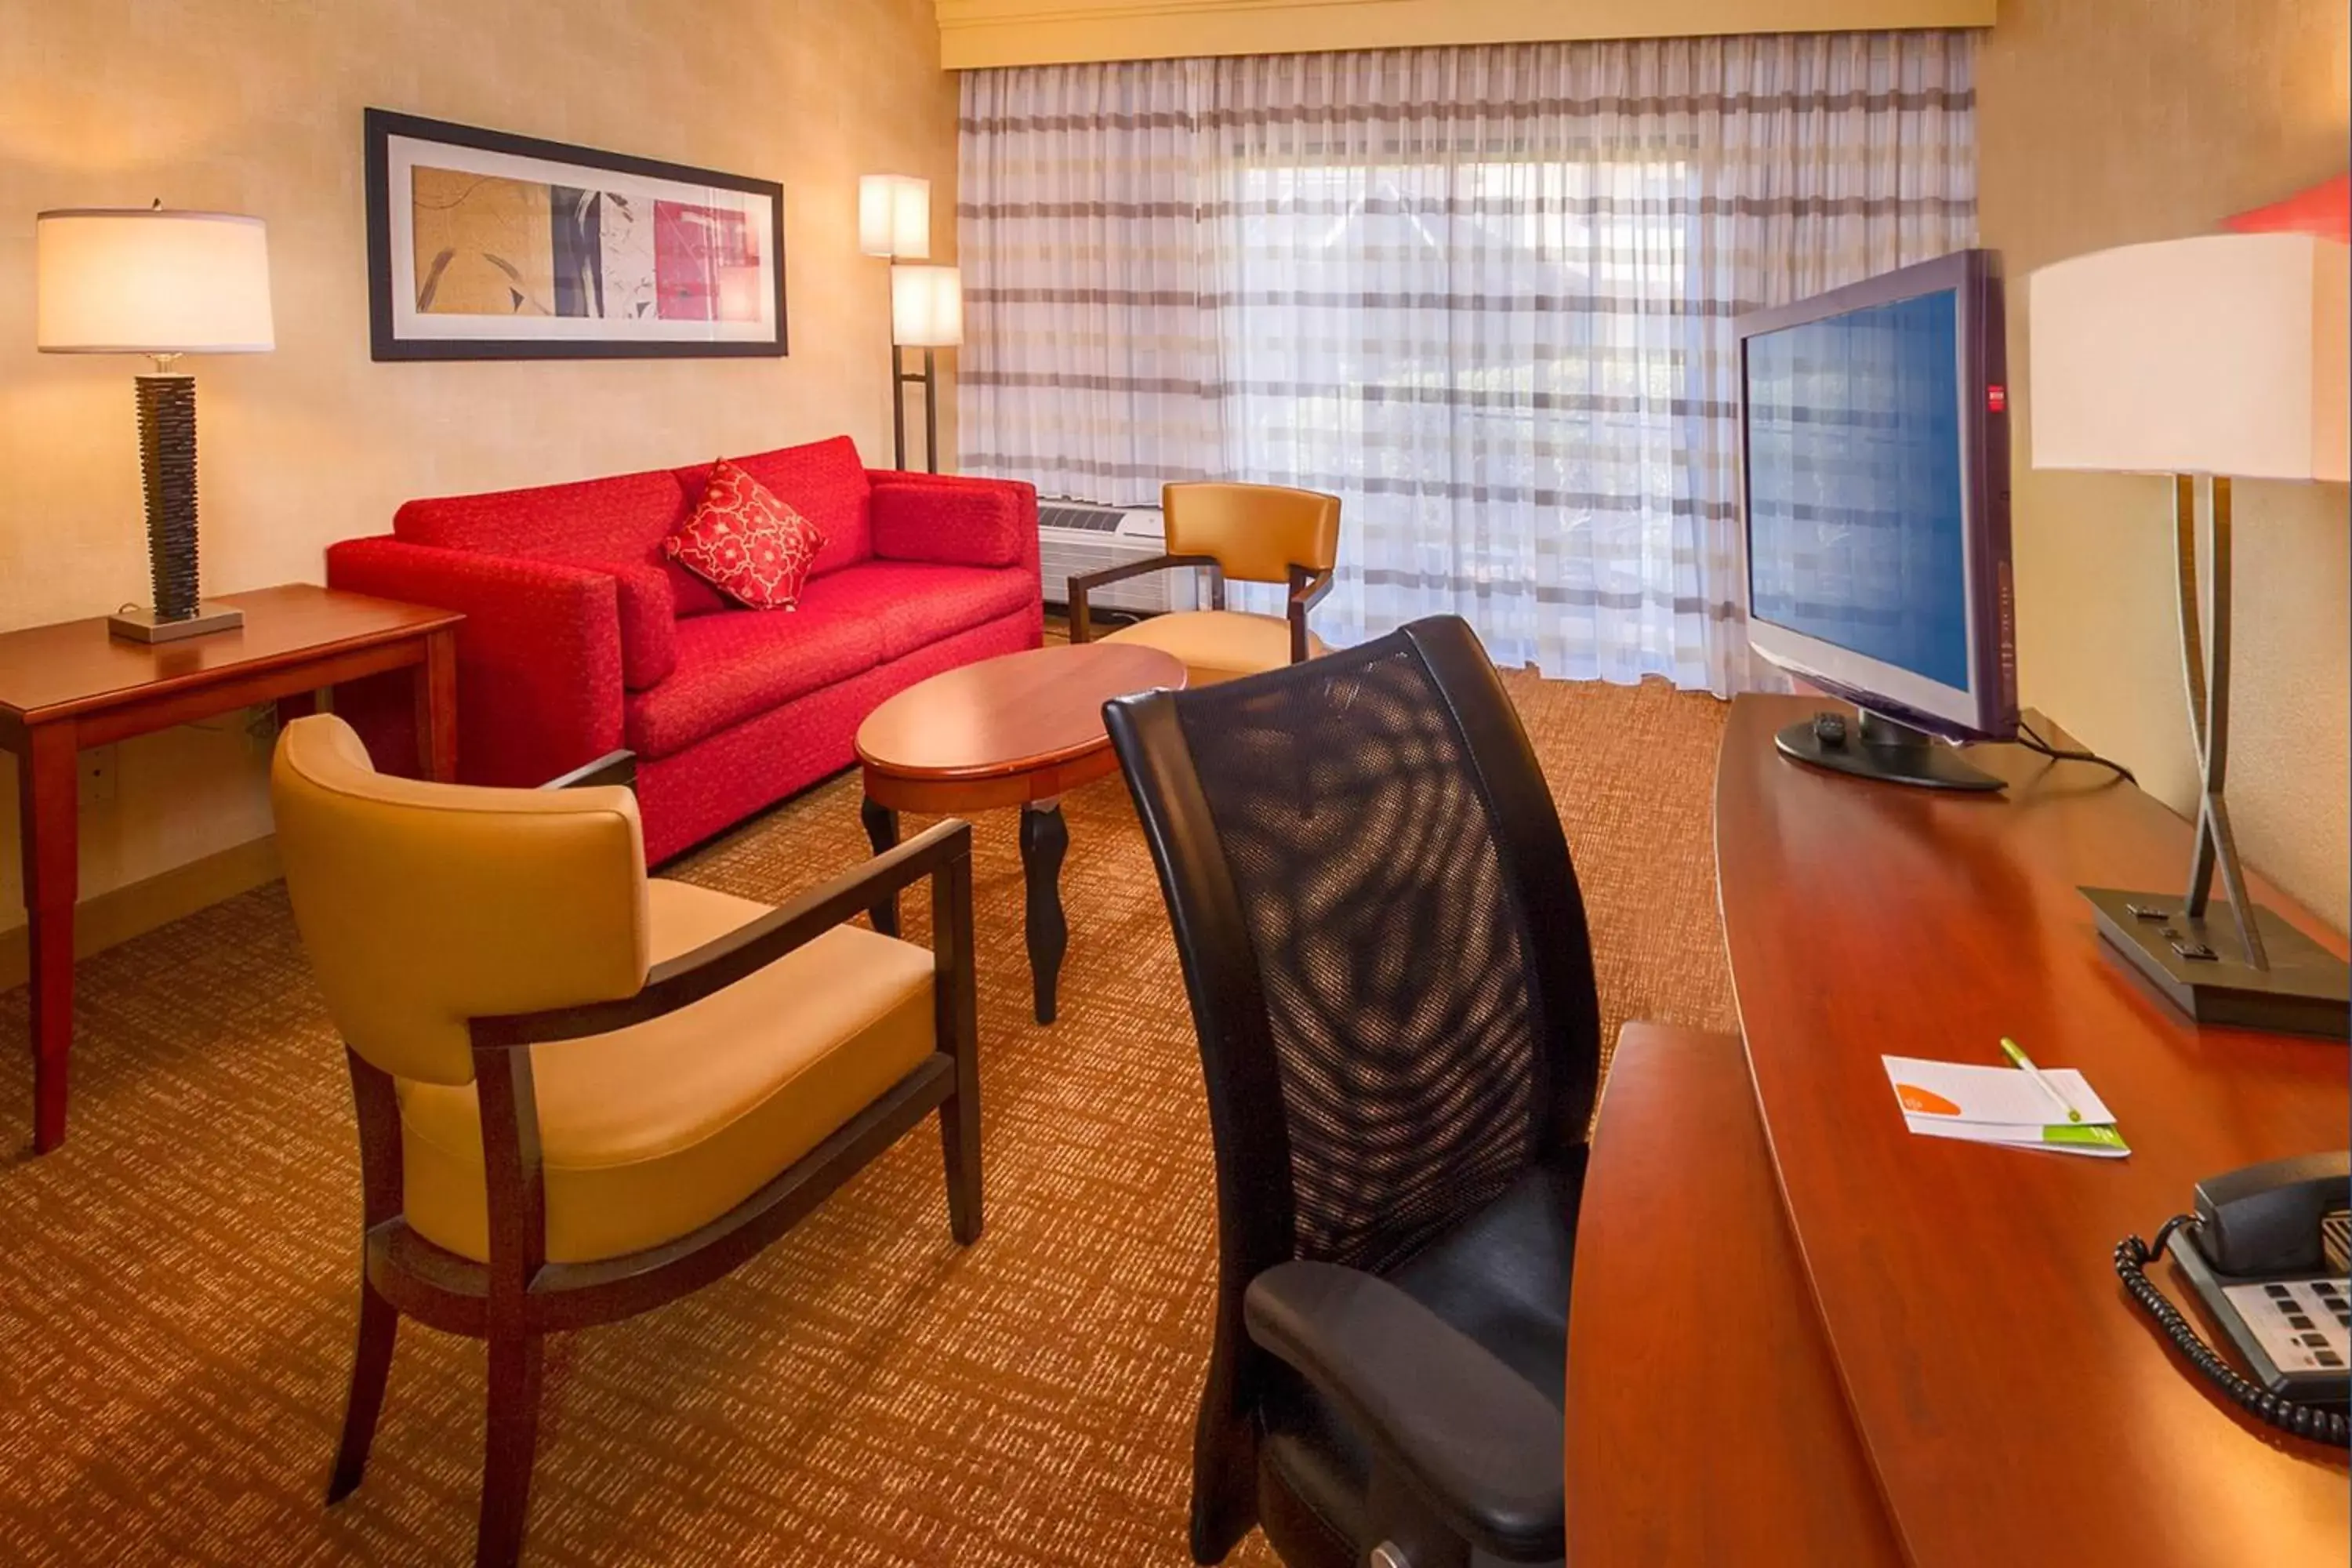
[1364, 935]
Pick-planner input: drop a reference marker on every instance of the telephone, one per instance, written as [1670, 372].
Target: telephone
[2266, 1253]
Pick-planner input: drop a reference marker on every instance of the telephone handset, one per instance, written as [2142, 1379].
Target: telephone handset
[2266, 1253]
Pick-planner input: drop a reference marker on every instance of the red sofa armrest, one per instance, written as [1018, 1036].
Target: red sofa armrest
[539, 657]
[954, 520]
[648, 603]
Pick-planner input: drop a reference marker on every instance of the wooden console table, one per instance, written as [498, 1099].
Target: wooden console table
[70, 685]
[2012, 1406]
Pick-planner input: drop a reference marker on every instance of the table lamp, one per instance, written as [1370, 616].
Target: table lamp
[2223, 358]
[148, 281]
[926, 313]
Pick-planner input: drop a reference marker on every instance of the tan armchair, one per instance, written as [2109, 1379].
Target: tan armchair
[1256, 533]
[583, 1092]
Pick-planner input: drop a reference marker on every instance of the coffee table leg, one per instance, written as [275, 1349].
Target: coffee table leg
[882, 832]
[1044, 838]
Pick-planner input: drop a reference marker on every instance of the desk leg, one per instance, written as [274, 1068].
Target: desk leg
[882, 832]
[48, 791]
[1044, 837]
[436, 707]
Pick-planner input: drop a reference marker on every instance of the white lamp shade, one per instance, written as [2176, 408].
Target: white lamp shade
[2223, 354]
[135, 280]
[894, 215]
[926, 307]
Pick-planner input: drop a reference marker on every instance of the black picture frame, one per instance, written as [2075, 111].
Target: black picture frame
[387, 342]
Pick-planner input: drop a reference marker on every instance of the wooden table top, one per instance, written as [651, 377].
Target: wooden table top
[1016, 713]
[57, 671]
[1704, 1422]
[2014, 1407]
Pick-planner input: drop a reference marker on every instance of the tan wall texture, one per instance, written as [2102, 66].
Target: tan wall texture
[254, 106]
[2138, 119]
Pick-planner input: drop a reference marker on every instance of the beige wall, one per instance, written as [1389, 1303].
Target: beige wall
[1038, 32]
[2136, 119]
[254, 106]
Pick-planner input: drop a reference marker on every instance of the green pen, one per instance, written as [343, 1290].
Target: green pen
[2016, 1053]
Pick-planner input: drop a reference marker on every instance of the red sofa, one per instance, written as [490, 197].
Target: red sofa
[579, 636]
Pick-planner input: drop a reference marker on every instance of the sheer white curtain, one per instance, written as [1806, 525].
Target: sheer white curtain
[1485, 295]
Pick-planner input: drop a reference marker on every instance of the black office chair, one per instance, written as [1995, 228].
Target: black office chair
[1390, 973]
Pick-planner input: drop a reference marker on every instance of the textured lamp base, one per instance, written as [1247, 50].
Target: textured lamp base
[146, 625]
[2305, 990]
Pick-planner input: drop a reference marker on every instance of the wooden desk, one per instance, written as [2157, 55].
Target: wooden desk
[2013, 1406]
[70, 685]
[1704, 1422]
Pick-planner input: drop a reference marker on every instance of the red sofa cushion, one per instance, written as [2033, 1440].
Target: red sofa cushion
[741, 663]
[912, 604]
[950, 519]
[824, 481]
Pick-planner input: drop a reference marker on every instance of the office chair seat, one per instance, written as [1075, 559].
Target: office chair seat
[1218, 644]
[1501, 1277]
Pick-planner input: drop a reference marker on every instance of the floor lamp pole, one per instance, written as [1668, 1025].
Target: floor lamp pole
[897, 409]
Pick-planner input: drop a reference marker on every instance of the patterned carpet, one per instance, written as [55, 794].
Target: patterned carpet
[175, 1302]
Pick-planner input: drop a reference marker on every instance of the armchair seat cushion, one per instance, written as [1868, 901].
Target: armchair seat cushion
[652, 1131]
[1218, 644]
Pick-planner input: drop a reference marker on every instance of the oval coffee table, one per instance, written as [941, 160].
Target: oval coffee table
[1022, 728]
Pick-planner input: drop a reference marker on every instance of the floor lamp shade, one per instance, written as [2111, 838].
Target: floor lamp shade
[148, 281]
[2222, 356]
[926, 307]
[894, 216]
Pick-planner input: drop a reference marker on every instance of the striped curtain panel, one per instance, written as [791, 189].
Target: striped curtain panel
[1485, 295]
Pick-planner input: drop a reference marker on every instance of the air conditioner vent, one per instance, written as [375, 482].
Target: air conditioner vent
[1083, 515]
[1075, 537]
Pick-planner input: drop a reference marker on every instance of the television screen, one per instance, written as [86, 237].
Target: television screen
[1856, 505]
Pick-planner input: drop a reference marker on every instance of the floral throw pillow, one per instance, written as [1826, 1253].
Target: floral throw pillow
[745, 542]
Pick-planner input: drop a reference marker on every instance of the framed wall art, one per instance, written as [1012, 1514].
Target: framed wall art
[483, 245]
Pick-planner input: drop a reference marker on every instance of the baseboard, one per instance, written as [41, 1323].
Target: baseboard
[108, 919]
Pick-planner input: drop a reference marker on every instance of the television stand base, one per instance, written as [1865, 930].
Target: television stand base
[1886, 751]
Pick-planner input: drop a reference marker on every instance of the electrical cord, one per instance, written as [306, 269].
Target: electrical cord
[2132, 1255]
[2032, 741]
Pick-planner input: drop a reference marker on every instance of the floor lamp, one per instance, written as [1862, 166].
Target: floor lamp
[145, 280]
[2213, 359]
[894, 222]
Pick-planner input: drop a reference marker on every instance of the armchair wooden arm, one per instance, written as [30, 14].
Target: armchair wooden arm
[612, 768]
[1085, 583]
[1306, 591]
[942, 854]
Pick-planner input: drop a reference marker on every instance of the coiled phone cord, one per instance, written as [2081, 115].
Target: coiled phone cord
[2132, 1256]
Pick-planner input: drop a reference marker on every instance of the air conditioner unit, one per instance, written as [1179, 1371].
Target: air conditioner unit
[1075, 537]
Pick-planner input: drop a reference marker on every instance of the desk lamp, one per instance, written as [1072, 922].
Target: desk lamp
[2217, 358]
[125, 281]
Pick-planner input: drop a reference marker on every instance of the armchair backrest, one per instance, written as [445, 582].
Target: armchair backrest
[1256, 532]
[1382, 939]
[422, 905]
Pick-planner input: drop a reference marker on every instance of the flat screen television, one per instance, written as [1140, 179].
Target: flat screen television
[1874, 490]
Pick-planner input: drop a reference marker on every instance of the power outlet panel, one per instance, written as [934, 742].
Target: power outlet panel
[100, 767]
